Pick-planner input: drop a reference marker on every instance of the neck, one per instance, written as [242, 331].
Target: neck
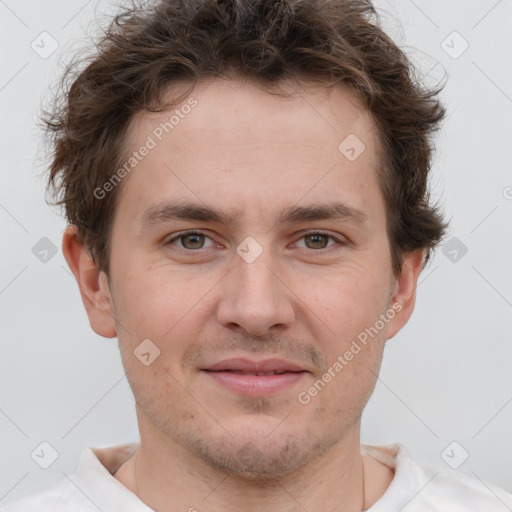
[163, 472]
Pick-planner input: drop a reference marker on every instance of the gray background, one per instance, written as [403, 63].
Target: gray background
[445, 378]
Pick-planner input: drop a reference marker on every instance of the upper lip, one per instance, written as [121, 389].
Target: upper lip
[246, 365]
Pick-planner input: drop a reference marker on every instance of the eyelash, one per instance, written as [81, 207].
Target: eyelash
[326, 250]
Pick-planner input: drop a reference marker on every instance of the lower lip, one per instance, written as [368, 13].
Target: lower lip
[256, 385]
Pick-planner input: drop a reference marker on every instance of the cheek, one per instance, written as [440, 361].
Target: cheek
[344, 303]
[153, 298]
[164, 306]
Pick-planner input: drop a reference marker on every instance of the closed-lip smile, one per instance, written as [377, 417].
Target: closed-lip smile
[256, 378]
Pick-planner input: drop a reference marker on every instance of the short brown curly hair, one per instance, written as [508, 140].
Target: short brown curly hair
[147, 48]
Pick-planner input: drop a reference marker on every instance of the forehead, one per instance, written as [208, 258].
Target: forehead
[231, 142]
[232, 109]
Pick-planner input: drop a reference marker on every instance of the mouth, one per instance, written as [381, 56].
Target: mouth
[240, 372]
[256, 378]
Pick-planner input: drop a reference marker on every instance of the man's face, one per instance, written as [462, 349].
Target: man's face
[220, 306]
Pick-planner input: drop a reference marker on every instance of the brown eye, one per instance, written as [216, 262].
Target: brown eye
[192, 241]
[319, 242]
[316, 241]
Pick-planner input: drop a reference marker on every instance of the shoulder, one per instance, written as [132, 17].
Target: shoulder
[463, 492]
[424, 487]
[89, 489]
[59, 496]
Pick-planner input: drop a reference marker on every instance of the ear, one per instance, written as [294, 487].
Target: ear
[92, 282]
[403, 298]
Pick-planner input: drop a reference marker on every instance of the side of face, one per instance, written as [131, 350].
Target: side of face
[304, 290]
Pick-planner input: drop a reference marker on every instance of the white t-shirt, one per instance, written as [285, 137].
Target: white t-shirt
[416, 487]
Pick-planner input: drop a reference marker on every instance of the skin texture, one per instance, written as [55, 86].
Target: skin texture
[303, 300]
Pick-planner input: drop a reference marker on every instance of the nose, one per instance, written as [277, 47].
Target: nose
[255, 298]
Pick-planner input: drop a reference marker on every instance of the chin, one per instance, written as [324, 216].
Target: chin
[257, 453]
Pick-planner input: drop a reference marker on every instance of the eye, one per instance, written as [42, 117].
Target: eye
[190, 240]
[318, 241]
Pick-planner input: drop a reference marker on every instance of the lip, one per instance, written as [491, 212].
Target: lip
[241, 375]
[246, 365]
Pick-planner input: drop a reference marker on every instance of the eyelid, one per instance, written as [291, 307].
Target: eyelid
[340, 240]
[178, 235]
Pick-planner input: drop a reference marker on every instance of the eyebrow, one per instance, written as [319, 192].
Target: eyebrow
[168, 211]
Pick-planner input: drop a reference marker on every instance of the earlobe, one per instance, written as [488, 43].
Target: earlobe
[92, 283]
[404, 292]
